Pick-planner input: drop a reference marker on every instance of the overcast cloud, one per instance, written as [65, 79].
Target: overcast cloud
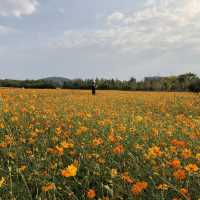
[116, 38]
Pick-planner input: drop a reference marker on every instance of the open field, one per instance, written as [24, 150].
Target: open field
[65, 144]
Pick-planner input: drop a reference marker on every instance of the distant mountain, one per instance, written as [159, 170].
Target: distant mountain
[154, 78]
[58, 81]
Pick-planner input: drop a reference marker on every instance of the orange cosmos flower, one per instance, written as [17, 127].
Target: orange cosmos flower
[112, 138]
[139, 187]
[7, 141]
[2, 125]
[155, 132]
[186, 153]
[91, 194]
[175, 198]
[173, 149]
[119, 149]
[58, 131]
[101, 161]
[184, 191]
[3, 145]
[81, 130]
[175, 164]
[101, 123]
[97, 141]
[179, 143]
[48, 187]
[71, 170]
[179, 174]
[127, 178]
[59, 150]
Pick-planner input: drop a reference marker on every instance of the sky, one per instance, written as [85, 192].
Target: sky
[98, 38]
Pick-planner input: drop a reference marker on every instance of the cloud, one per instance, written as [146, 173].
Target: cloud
[79, 39]
[181, 12]
[160, 24]
[115, 17]
[5, 30]
[17, 7]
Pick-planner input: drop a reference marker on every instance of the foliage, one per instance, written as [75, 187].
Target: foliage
[195, 86]
[68, 144]
[40, 84]
[184, 82]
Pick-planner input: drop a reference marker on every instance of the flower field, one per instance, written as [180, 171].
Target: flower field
[68, 144]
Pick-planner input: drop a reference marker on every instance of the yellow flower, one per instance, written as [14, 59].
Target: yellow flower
[154, 152]
[58, 131]
[2, 125]
[155, 132]
[67, 145]
[97, 141]
[113, 173]
[71, 170]
[111, 137]
[2, 182]
[81, 130]
[191, 168]
[198, 156]
[22, 168]
[162, 187]
[11, 155]
[138, 118]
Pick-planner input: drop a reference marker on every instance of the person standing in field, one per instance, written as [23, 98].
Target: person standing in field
[93, 88]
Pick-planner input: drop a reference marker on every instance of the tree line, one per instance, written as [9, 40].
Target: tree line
[184, 82]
